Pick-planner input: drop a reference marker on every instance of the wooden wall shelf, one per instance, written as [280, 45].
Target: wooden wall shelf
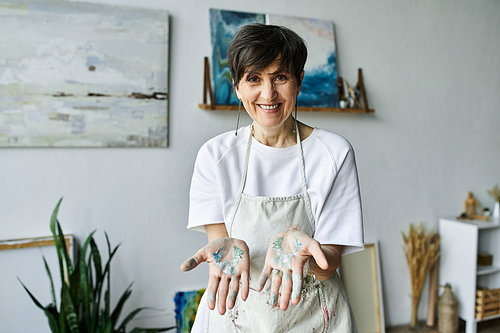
[207, 90]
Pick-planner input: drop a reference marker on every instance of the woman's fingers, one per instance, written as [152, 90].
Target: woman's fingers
[245, 285]
[213, 285]
[286, 290]
[234, 287]
[276, 278]
[318, 255]
[266, 271]
[297, 269]
[189, 264]
[296, 287]
[222, 294]
[195, 260]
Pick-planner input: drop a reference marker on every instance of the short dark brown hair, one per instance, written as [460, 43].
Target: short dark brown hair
[256, 46]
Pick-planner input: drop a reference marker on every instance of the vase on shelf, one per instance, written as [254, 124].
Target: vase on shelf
[496, 210]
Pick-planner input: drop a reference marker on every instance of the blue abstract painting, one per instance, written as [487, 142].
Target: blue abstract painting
[186, 306]
[319, 88]
[223, 25]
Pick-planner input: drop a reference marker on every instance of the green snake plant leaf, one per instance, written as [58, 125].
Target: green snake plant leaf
[63, 324]
[131, 316]
[119, 306]
[69, 310]
[64, 251]
[50, 311]
[107, 274]
[74, 281]
[85, 290]
[53, 218]
[52, 292]
[53, 228]
[96, 257]
[108, 270]
[108, 328]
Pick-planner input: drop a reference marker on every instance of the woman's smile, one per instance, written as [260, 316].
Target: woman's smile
[270, 108]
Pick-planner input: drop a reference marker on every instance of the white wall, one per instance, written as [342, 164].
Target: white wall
[432, 73]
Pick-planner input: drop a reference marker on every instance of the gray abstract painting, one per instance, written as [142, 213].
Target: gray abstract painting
[83, 75]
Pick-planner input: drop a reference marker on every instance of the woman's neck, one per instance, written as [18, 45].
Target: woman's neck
[280, 137]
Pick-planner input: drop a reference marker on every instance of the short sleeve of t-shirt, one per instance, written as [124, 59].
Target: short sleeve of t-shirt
[205, 198]
[339, 215]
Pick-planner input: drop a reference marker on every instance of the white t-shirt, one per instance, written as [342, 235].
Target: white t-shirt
[331, 176]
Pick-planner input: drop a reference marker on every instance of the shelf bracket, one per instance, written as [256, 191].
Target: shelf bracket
[207, 86]
[361, 85]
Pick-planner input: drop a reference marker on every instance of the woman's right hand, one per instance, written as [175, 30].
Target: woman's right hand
[229, 263]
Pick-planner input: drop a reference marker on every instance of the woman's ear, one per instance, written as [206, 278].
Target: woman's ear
[300, 83]
[237, 92]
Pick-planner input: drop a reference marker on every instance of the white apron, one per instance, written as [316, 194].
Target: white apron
[323, 306]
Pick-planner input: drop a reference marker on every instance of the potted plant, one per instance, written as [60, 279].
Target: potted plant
[85, 305]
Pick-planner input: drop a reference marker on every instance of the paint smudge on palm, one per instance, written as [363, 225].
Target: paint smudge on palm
[228, 267]
[219, 254]
[284, 259]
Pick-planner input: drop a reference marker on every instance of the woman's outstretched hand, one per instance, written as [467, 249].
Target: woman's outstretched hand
[288, 253]
[229, 263]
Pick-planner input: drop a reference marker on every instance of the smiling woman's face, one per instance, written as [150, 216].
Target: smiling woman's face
[269, 96]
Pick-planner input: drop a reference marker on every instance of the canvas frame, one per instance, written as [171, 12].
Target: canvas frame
[361, 275]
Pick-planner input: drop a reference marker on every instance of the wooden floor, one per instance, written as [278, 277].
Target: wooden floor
[491, 326]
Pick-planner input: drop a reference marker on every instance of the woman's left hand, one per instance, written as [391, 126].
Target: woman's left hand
[288, 253]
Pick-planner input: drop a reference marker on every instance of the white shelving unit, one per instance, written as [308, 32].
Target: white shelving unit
[460, 243]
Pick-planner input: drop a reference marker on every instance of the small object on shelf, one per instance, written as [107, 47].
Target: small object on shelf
[470, 210]
[340, 88]
[495, 193]
[487, 302]
[448, 311]
[207, 90]
[484, 259]
[353, 100]
[343, 103]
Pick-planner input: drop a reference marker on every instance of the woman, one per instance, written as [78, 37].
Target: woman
[279, 202]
